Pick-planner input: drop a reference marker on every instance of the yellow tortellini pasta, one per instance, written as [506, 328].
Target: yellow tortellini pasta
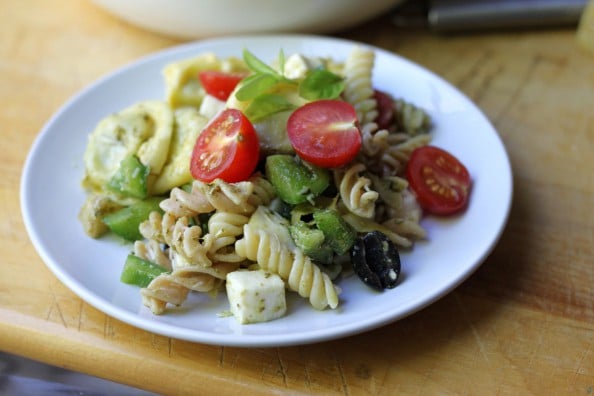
[144, 129]
[176, 172]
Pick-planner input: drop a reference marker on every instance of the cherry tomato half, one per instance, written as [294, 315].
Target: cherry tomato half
[439, 180]
[227, 148]
[219, 84]
[385, 109]
[325, 133]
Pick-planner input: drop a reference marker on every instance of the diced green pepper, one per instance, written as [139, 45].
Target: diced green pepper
[294, 180]
[304, 212]
[124, 222]
[311, 242]
[140, 272]
[130, 179]
[338, 233]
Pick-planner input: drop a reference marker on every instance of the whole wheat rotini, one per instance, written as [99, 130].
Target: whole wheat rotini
[150, 249]
[179, 235]
[225, 228]
[242, 197]
[173, 288]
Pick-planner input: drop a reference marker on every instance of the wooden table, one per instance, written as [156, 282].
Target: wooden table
[522, 324]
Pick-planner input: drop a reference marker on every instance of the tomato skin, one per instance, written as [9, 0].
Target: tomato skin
[439, 180]
[227, 149]
[385, 108]
[219, 84]
[325, 133]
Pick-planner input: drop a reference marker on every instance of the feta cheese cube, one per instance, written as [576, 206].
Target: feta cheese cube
[256, 296]
[297, 66]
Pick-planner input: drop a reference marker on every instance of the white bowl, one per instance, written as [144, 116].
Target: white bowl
[191, 19]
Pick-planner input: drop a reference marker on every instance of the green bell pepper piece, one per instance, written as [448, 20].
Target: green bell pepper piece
[125, 222]
[140, 272]
[130, 180]
[295, 181]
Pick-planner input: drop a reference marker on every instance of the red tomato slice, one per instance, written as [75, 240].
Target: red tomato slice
[325, 133]
[385, 108]
[227, 148]
[219, 84]
[439, 180]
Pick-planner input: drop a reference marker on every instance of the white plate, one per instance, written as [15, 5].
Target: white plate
[51, 197]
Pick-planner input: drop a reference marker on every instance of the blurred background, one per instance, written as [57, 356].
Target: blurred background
[188, 19]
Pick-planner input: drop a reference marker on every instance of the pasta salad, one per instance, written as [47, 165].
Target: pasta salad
[255, 178]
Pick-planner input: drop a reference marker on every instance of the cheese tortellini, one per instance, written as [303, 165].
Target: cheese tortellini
[176, 172]
[144, 129]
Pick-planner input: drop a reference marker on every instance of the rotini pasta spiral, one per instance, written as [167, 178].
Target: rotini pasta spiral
[182, 237]
[151, 250]
[367, 225]
[355, 190]
[224, 228]
[358, 89]
[398, 209]
[406, 228]
[241, 197]
[173, 289]
[183, 203]
[161, 291]
[373, 139]
[410, 118]
[395, 157]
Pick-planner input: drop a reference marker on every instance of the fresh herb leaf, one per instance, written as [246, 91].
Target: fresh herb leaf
[281, 62]
[255, 85]
[267, 104]
[321, 84]
[258, 88]
[256, 65]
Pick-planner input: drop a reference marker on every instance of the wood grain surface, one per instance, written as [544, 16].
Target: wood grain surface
[523, 324]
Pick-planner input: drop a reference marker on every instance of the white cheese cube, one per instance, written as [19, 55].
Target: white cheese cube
[297, 66]
[256, 296]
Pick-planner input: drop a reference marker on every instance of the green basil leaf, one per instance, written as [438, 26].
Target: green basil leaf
[256, 64]
[254, 85]
[321, 84]
[267, 104]
[281, 62]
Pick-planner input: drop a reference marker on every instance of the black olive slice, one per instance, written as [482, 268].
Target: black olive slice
[359, 261]
[376, 260]
[382, 258]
